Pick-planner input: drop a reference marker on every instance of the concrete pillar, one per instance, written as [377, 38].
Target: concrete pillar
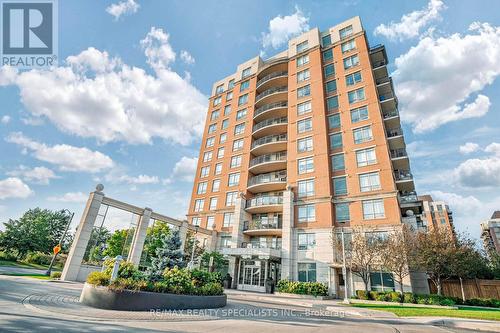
[212, 244]
[183, 229]
[135, 253]
[233, 270]
[287, 243]
[82, 236]
[239, 218]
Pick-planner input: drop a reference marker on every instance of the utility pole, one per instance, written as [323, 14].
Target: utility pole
[191, 262]
[57, 248]
[344, 268]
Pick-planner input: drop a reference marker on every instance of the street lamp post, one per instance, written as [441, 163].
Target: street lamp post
[49, 270]
[344, 268]
[191, 262]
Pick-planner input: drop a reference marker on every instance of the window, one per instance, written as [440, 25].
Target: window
[353, 78]
[305, 188]
[227, 110]
[225, 124]
[246, 72]
[362, 134]
[205, 171]
[307, 213]
[342, 212]
[332, 103]
[217, 101]
[230, 85]
[301, 61]
[334, 121]
[196, 221]
[328, 55]
[359, 114]
[220, 152]
[214, 115]
[307, 272]
[369, 182]
[216, 185]
[340, 185]
[236, 161]
[356, 95]
[198, 205]
[303, 108]
[231, 198]
[238, 144]
[225, 241]
[213, 204]
[305, 165]
[351, 61]
[202, 188]
[307, 241]
[234, 179]
[331, 86]
[304, 75]
[366, 157]
[210, 142]
[326, 40]
[239, 129]
[304, 91]
[219, 89]
[373, 209]
[223, 138]
[228, 219]
[244, 85]
[243, 99]
[338, 162]
[302, 46]
[207, 156]
[345, 32]
[329, 70]
[210, 221]
[241, 114]
[218, 168]
[348, 46]
[304, 125]
[229, 96]
[382, 281]
[336, 141]
[305, 144]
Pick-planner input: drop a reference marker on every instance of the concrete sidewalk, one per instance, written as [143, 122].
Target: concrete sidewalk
[20, 270]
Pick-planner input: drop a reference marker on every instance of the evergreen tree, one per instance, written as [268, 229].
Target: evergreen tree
[168, 255]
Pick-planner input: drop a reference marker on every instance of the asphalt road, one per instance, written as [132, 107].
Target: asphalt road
[28, 305]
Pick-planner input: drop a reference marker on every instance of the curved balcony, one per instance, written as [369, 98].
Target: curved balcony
[404, 180]
[278, 109]
[270, 126]
[267, 182]
[265, 227]
[271, 95]
[268, 163]
[265, 204]
[269, 144]
[278, 78]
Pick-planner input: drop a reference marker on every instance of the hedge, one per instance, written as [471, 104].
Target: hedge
[302, 288]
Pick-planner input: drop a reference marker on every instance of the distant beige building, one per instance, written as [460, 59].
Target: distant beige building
[490, 233]
[436, 214]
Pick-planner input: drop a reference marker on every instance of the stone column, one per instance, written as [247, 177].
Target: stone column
[82, 235]
[212, 245]
[183, 229]
[135, 253]
[287, 243]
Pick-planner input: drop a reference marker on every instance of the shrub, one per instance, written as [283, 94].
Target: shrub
[55, 275]
[211, 289]
[487, 302]
[98, 279]
[126, 270]
[7, 256]
[372, 295]
[302, 288]
[447, 302]
[179, 281]
[38, 258]
[421, 299]
[361, 294]
[121, 284]
[409, 298]
[382, 297]
[394, 296]
[201, 277]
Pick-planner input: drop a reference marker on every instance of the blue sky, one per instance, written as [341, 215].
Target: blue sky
[130, 96]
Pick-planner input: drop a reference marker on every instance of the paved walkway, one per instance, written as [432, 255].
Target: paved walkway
[20, 270]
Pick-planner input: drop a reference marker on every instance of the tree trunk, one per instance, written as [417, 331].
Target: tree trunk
[438, 285]
[402, 291]
[462, 289]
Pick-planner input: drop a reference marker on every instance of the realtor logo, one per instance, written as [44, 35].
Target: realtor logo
[29, 36]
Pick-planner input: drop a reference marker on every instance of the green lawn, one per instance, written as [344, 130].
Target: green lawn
[409, 311]
[34, 276]
[21, 264]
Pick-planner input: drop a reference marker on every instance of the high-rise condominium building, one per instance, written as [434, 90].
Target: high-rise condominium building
[435, 214]
[300, 145]
[490, 233]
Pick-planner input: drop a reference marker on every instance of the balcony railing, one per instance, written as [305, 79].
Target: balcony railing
[391, 114]
[262, 245]
[383, 80]
[394, 132]
[269, 139]
[380, 63]
[271, 177]
[265, 201]
[267, 107]
[386, 96]
[408, 197]
[259, 224]
[270, 91]
[269, 122]
[271, 76]
[396, 153]
[274, 157]
[403, 175]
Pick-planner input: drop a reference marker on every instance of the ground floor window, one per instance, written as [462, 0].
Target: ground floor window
[381, 281]
[307, 272]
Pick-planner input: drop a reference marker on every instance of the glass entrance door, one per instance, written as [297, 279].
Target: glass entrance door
[252, 275]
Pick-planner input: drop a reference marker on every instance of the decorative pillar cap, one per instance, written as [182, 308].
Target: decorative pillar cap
[99, 188]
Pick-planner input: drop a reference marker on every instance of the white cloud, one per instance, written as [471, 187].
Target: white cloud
[95, 95]
[440, 79]
[39, 175]
[187, 57]
[493, 148]
[66, 157]
[468, 148]
[5, 119]
[185, 168]
[411, 24]
[76, 197]
[117, 176]
[32, 121]
[127, 7]
[14, 188]
[483, 172]
[282, 28]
